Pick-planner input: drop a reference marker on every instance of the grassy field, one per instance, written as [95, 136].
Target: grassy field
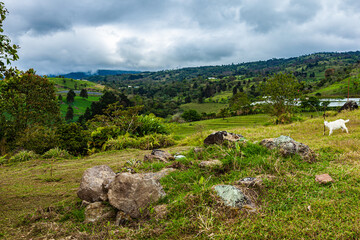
[186, 129]
[62, 84]
[204, 107]
[39, 197]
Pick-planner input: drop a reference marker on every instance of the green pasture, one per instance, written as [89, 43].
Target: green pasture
[79, 105]
[62, 84]
[204, 107]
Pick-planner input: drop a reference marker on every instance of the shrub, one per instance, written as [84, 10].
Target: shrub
[38, 139]
[148, 142]
[56, 153]
[150, 124]
[73, 138]
[102, 134]
[23, 156]
[191, 115]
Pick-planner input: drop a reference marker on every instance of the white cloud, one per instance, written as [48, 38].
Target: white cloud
[61, 36]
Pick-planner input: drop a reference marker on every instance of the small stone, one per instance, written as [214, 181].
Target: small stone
[323, 178]
[122, 218]
[232, 196]
[221, 136]
[179, 156]
[198, 150]
[158, 155]
[97, 211]
[211, 163]
[250, 181]
[160, 211]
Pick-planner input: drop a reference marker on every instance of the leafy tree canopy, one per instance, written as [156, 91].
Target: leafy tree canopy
[8, 51]
[281, 90]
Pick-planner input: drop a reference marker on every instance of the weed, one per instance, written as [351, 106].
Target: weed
[23, 156]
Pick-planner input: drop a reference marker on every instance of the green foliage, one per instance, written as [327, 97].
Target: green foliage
[239, 102]
[8, 52]
[152, 141]
[73, 138]
[70, 97]
[191, 115]
[83, 93]
[23, 156]
[310, 104]
[25, 100]
[69, 114]
[102, 134]
[56, 153]
[150, 124]
[38, 138]
[281, 91]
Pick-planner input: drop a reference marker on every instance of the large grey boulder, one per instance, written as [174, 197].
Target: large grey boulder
[97, 211]
[158, 155]
[232, 196]
[221, 137]
[133, 193]
[94, 183]
[289, 146]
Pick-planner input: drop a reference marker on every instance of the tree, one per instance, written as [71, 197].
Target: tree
[83, 93]
[8, 52]
[69, 114]
[281, 90]
[191, 115]
[239, 102]
[25, 100]
[60, 98]
[70, 97]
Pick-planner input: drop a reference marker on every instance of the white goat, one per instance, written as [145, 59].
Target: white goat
[340, 123]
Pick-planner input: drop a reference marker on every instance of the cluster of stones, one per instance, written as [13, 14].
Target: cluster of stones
[130, 194]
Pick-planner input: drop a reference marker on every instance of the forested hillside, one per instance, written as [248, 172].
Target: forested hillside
[168, 92]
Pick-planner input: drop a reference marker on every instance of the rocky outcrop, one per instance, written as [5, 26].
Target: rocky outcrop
[158, 155]
[133, 193]
[221, 137]
[350, 105]
[289, 146]
[95, 182]
[97, 211]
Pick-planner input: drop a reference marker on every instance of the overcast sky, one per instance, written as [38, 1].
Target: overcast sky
[60, 36]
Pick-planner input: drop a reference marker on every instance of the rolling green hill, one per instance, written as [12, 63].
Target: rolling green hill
[80, 104]
[341, 88]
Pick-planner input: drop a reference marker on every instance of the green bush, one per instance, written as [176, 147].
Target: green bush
[56, 153]
[38, 139]
[191, 115]
[102, 134]
[150, 124]
[23, 156]
[148, 142]
[73, 138]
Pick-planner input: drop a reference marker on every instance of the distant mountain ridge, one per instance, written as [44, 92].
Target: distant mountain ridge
[99, 72]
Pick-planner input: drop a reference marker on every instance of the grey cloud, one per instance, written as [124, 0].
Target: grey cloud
[82, 35]
[264, 16]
